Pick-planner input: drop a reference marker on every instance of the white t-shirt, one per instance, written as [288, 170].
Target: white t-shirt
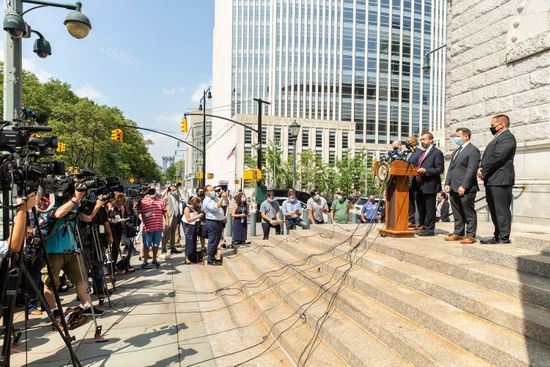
[3, 249]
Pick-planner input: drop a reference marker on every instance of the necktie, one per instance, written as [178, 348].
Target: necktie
[421, 158]
[457, 152]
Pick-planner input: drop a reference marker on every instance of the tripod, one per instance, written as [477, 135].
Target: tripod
[13, 279]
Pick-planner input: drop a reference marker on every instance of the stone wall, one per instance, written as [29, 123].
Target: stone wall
[498, 61]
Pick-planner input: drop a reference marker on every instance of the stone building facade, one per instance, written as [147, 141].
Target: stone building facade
[498, 61]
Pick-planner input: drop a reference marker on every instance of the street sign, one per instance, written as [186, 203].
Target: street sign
[132, 180]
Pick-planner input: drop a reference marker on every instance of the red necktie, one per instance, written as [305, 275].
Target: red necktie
[421, 158]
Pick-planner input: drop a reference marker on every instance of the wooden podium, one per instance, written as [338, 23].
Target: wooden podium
[397, 199]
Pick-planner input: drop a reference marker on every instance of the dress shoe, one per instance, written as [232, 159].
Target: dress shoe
[424, 233]
[453, 237]
[175, 251]
[504, 242]
[215, 263]
[412, 225]
[468, 240]
[490, 241]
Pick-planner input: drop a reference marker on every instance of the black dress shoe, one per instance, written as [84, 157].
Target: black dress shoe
[490, 241]
[215, 263]
[174, 251]
[504, 242]
[425, 233]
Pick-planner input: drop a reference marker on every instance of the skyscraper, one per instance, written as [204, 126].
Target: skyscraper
[344, 69]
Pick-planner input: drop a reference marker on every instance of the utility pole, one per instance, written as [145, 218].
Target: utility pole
[12, 69]
[261, 102]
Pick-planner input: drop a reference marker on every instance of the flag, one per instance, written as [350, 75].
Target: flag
[233, 152]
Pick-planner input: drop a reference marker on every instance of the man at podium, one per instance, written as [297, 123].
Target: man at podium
[428, 181]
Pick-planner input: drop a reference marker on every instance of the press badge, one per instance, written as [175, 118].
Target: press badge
[101, 229]
[147, 214]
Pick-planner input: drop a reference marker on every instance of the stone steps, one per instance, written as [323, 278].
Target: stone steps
[533, 242]
[284, 324]
[511, 256]
[501, 309]
[496, 344]
[415, 343]
[448, 259]
[348, 339]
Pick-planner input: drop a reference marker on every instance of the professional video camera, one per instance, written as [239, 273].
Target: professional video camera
[138, 193]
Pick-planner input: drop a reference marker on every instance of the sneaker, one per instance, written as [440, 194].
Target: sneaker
[175, 251]
[145, 265]
[88, 311]
[156, 263]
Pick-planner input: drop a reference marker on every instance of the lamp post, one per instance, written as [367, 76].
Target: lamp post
[426, 67]
[294, 131]
[202, 107]
[15, 27]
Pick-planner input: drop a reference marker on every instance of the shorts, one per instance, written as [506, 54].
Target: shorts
[69, 263]
[152, 239]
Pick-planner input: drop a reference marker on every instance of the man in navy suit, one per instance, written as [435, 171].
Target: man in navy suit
[412, 157]
[428, 181]
[498, 175]
[461, 184]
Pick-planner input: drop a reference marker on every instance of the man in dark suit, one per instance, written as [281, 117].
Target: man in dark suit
[430, 167]
[497, 173]
[461, 183]
[412, 157]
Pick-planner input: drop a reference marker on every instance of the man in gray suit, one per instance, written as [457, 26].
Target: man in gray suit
[498, 175]
[461, 183]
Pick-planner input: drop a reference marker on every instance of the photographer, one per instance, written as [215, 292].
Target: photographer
[62, 248]
[14, 242]
[212, 206]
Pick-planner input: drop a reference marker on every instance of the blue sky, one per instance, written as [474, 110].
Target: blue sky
[149, 58]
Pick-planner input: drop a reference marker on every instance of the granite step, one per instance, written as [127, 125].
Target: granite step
[494, 343]
[511, 256]
[415, 343]
[356, 346]
[232, 335]
[533, 241]
[502, 309]
[446, 258]
[285, 326]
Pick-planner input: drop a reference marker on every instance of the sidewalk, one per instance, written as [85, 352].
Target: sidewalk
[142, 329]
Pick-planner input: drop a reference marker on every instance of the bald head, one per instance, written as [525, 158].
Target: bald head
[396, 144]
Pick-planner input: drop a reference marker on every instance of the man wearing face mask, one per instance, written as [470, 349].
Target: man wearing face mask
[396, 152]
[212, 207]
[316, 208]
[154, 218]
[461, 184]
[428, 181]
[339, 212]
[292, 209]
[412, 156]
[497, 173]
[270, 213]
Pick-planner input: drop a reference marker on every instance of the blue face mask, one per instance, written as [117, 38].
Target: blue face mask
[458, 141]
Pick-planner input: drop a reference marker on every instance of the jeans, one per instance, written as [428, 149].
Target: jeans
[293, 222]
[266, 227]
[214, 229]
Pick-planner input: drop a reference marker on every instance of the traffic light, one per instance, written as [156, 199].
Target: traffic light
[116, 135]
[184, 128]
[60, 148]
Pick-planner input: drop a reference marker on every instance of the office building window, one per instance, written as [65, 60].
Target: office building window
[305, 137]
[332, 139]
[345, 140]
[319, 138]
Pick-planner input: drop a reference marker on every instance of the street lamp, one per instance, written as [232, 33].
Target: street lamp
[78, 25]
[206, 93]
[294, 131]
[426, 67]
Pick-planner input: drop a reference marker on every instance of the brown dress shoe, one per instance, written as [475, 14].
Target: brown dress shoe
[468, 241]
[453, 237]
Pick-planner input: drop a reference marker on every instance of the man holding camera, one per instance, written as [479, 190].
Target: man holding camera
[212, 207]
[292, 210]
[14, 243]
[62, 249]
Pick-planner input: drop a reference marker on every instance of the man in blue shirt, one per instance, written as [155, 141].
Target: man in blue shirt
[214, 214]
[63, 251]
[292, 210]
[369, 211]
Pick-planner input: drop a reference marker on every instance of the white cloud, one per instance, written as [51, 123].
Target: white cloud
[171, 119]
[198, 93]
[119, 55]
[89, 91]
[173, 90]
[30, 65]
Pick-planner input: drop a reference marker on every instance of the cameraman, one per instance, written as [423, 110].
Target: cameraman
[62, 248]
[14, 242]
[212, 207]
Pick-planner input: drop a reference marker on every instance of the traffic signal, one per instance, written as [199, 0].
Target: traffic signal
[116, 135]
[60, 148]
[119, 136]
[184, 128]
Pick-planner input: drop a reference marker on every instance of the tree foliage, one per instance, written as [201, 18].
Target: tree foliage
[85, 127]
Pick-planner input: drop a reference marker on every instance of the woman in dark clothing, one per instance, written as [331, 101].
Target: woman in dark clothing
[240, 222]
[191, 220]
[442, 208]
[116, 216]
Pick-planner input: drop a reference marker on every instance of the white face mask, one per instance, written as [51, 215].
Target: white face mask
[317, 197]
[212, 194]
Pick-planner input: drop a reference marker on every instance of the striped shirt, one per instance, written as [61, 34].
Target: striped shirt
[152, 213]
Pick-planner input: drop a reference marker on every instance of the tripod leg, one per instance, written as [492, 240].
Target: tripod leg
[9, 309]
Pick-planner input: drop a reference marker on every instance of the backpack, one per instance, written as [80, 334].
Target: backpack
[74, 317]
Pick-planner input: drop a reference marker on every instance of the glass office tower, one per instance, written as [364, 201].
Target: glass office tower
[355, 61]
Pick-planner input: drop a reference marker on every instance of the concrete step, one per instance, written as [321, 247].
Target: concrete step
[284, 324]
[495, 344]
[354, 345]
[446, 257]
[415, 343]
[502, 309]
[511, 256]
[232, 335]
[533, 241]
